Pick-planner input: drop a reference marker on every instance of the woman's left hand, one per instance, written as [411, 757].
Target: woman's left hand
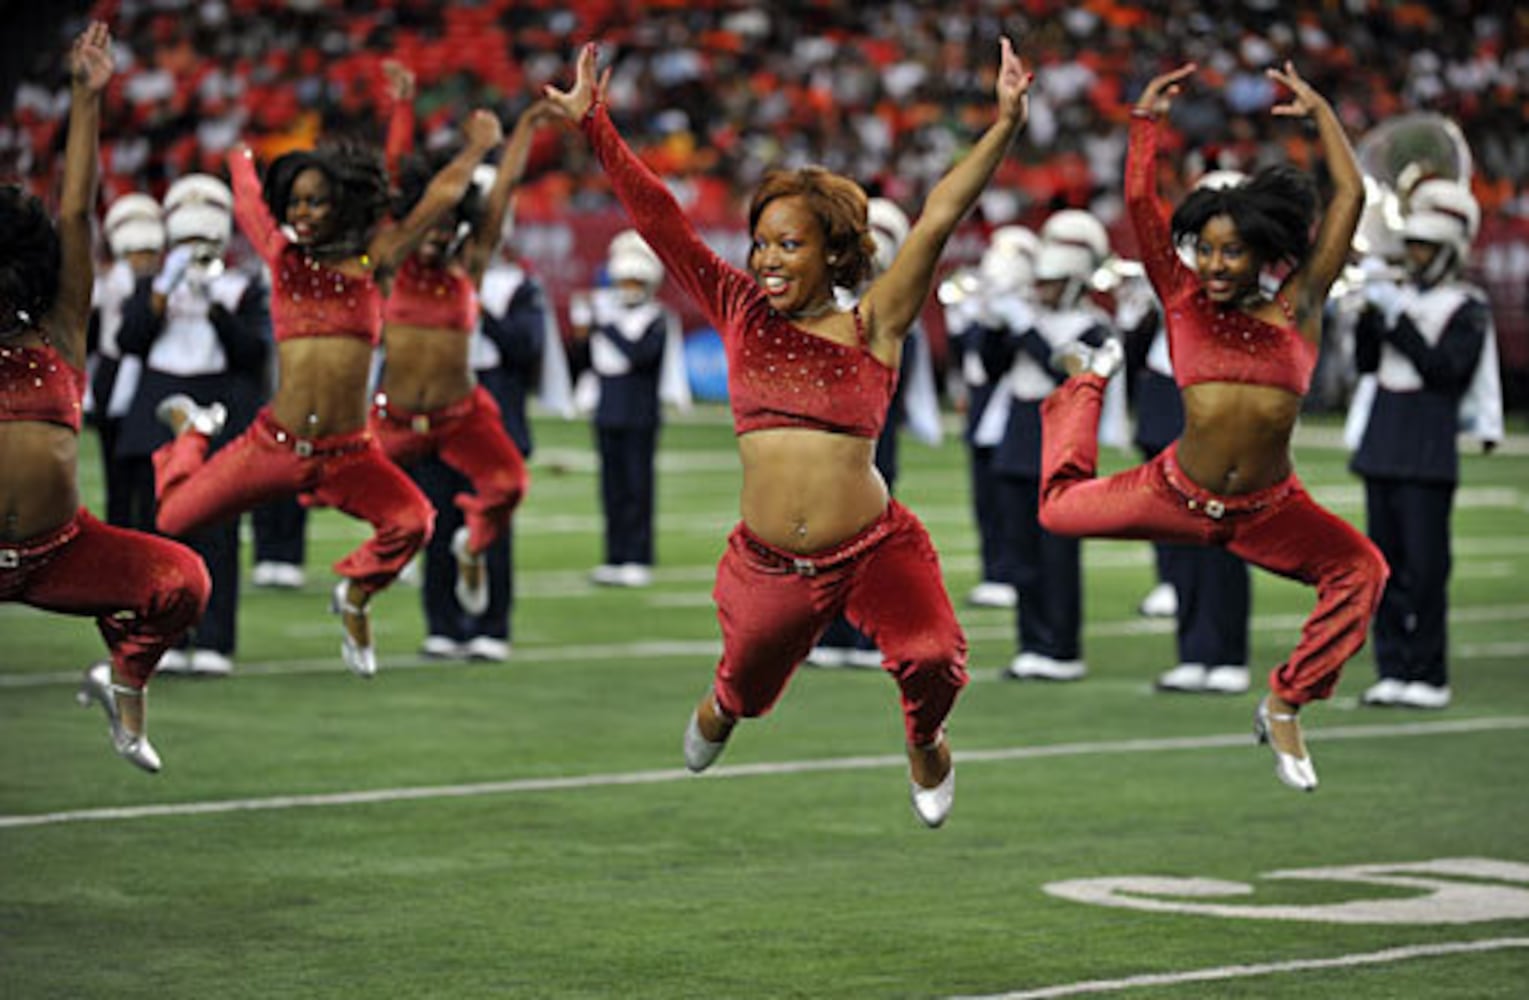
[1013, 83]
[90, 61]
[1304, 101]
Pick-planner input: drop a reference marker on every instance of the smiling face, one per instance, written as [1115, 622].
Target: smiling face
[1227, 266]
[789, 257]
[310, 207]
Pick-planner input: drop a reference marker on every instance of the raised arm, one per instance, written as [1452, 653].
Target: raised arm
[893, 301]
[512, 167]
[1309, 285]
[1148, 215]
[391, 245]
[250, 208]
[400, 90]
[90, 67]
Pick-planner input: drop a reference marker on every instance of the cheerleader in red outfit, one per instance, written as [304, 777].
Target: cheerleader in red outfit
[1243, 361]
[144, 592]
[810, 385]
[330, 265]
[429, 404]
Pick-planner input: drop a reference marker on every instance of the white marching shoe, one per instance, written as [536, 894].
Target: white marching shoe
[700, 752]
[1417, 694]
[1227, 679]
[932, 805]
[1385, 692]
[1034, 666]
[1162, 601]
[1297, 772]
[181, 413]
[1187, 677]
[993, 594]
[472, 575]
[134, 747]
[360, 658]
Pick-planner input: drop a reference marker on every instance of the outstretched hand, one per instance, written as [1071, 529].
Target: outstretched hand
[90, 61]
[400, 80]
[1013, 83]
[1304, 101]
[1157, 97]
[483, 130]
[574, 104]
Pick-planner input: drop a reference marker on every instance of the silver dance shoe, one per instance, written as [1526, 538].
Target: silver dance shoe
[181, 413]
[472, 575]
[700, 752]
[362, 660]
[1297, 772]
[134, 747]
[932, 805]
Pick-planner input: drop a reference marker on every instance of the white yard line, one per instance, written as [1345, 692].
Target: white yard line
[616, 779]
[1218, 973]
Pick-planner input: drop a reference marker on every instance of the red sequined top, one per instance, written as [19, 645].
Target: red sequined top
[308, 298]
[437, 298]
[778, 375]
[1208, 343]
[36, 383]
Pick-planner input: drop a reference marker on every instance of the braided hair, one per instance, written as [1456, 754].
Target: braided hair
[30, 258]
[1273, 211]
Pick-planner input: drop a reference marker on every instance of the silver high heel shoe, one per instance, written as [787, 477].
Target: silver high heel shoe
[1297, 772]
[362, 660]
[471, 589]
[700, 752]
[134, 747]
[932, 805]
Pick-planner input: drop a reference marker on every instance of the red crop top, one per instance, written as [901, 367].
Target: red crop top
[36, 383]
[1208, 343]
[778, 375]
[308, 298]
[437, 298]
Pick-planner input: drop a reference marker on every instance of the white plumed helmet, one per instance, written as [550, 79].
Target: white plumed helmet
[889, 228]
[199, 207]
[631, 258]
[1008, 263]
[134, 223]
[1077, 228]
[1442, 211]
[1221, 180]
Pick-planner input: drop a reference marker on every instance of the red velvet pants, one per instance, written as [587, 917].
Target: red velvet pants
[348, 472]
[143, 591]
[773, 605]
[1280, 529]
[470, 437]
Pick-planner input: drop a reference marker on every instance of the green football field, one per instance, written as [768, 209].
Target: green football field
[527, 829]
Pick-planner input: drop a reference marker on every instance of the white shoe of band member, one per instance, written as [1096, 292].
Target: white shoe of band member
[134, 747]
[1162, 601]
[280, 575]
[472, 597]
[210, 663]
[606, 575]
[1385, 692]
[1188, 677]
[1034, 666]
[700, 752]
[635, 575]
[1297, 772]
[932, 805]
[174, 661]
[1227, 679]
[441, 647]
[865, 659]
[1420, 695]
[206, 420]
[362, 660]
[828, 657]
[993, 594]
[487, 649]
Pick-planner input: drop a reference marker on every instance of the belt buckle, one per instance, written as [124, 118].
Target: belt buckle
[303, 448]
[10, 558]
[1214, 509]
[804, 567]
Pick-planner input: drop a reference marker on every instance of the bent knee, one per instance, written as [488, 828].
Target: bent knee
[935, 658]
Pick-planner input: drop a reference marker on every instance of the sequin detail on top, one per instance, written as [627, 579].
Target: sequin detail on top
[308, 298]
[36, 383]
[778, 374]
[1208, 343]
[435, 298]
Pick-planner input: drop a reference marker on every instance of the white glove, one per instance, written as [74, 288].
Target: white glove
[173, 269]
[580, 312]
[1385, 296]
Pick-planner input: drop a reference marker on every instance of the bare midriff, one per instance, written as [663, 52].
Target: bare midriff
[322, 391]
[1237, 437]
[808, 490]
[426, 368]
[38, 491]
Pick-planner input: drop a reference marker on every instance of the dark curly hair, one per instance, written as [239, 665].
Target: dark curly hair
[840, 206]
[30, 259]
[358, 179]
[1273, 211]
[417, 170]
